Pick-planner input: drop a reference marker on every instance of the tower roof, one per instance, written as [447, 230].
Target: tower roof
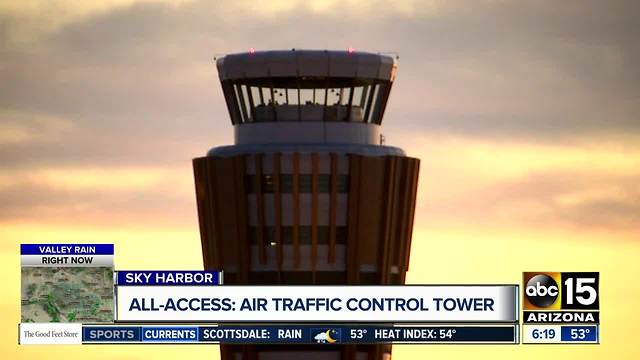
[306, 63]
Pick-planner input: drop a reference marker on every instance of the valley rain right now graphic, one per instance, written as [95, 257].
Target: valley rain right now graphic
[66, 283]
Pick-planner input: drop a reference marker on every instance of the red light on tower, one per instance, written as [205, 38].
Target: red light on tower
[252, 50]
[350, 50]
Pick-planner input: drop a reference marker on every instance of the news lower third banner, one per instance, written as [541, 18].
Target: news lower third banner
[158, 301]
[71, 294]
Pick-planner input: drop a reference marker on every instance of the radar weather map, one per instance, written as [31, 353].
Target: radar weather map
[67, 294]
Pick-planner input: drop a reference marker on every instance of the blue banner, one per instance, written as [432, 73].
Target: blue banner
[579, 333]
[110, 334]
[170, 334]
[169, 278]
[66, 249]
[315, 334]
[302, 334]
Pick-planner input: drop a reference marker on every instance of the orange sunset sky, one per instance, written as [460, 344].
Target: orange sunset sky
[525, 115]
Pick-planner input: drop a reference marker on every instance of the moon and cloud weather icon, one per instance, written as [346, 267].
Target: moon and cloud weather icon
[326, 336]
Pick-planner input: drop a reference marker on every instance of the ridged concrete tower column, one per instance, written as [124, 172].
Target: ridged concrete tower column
[308, 193]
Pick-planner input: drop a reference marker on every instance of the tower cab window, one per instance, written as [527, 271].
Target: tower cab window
[306, 99]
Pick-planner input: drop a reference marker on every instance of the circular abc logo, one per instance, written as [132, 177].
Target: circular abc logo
[542, 290]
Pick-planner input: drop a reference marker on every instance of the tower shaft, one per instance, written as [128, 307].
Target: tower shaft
[307, 194]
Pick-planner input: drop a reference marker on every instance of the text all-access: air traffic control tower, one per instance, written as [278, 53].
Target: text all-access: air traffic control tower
[308, 193]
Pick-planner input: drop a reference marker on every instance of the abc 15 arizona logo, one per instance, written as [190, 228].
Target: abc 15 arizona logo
[558, 294]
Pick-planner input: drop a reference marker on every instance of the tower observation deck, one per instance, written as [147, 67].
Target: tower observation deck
[308, 193]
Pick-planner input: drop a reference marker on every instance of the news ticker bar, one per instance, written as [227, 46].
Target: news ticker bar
[31, 333]
[560, 334]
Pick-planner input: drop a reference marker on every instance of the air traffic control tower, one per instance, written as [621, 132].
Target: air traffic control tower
[308, 193]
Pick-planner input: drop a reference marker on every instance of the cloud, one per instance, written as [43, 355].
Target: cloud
[539, 100]
[95, 179]
[542, 200]
[99, 196]
[466, 182]
[22, 128]
[27, 22]
[533, 70]
[34, 142]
